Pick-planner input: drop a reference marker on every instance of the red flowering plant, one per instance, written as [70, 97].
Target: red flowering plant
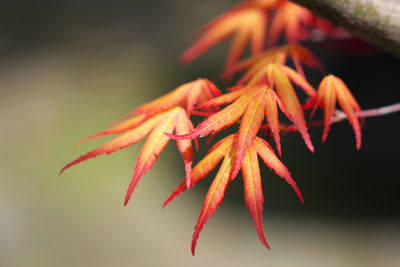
[266, 92]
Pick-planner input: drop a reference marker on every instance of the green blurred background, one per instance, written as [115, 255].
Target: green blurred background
[70, 68]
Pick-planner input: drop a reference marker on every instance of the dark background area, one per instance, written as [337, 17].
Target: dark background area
[69, 68]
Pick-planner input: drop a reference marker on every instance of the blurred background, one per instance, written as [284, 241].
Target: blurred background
[70, 68]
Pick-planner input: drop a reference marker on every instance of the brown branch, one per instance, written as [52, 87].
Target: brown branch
[375, 21]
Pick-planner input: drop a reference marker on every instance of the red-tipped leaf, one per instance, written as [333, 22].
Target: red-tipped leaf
[253, 194]
[214, 195]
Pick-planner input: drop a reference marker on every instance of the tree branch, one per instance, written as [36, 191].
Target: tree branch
[375, 21]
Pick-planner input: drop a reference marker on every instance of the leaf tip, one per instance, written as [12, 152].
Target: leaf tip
[194, 242]
[131, 188]
[279, 148]
[310, 146]
[61, 171]
[358, 142]
[298, 192]
[265, 243]
[188, 182]
[127, 198]
[66, 167]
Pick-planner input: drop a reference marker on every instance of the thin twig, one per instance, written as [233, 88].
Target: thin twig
[340, 116]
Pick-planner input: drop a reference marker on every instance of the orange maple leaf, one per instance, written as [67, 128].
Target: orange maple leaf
[227, 148]
[331, 90]
[247, 103]
[252, 104]
[298, 24]
[279, 55]
[163, 115]
[246, 22]
[289, 18]
[277, 76]
[172, 120]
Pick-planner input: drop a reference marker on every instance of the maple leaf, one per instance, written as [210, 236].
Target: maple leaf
[278, 77]
[299, 55]
[331, 90]
[252, 104]
[174, 119]
[249, 103]
[226, 149]
[290, 19]
[298, 24]
[163, 115]
[246, 22]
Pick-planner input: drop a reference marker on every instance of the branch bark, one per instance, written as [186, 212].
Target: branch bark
[375, 21]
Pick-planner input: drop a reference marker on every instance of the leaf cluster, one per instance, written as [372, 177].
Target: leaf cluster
[267, 91]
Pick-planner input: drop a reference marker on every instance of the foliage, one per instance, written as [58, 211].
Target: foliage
[265, 91]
